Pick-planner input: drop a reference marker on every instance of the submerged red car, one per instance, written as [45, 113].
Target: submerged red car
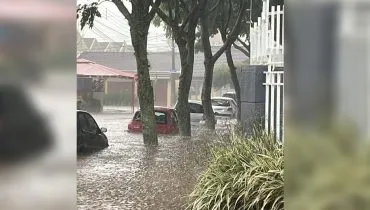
[166, 121]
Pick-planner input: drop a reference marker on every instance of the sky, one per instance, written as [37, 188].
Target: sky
[113, 27]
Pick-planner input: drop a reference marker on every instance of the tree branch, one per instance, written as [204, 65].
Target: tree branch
[162, 15]
[241, 49]
[123, 9]
[177, 11]
[229, 17]
[214, 7]
[243, 43]
[234, 33]
[153, 10]
[170, 15]
[184, 6]
[192, 14]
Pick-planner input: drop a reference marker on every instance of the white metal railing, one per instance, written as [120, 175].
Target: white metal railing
[267, 48]
[274, 103]
[267, 35]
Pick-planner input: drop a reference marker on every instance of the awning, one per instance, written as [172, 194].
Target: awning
[86, 68]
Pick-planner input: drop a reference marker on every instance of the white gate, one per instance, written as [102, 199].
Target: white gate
[267, 48]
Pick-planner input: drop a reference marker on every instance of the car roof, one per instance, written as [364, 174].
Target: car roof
[230, 93]
[160, 109]
[195, 102]
[82, 111]
[223, 98]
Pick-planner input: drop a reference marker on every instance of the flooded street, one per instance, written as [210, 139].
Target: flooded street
[128, 175]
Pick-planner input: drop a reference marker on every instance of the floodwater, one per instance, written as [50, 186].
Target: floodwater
[129, 175]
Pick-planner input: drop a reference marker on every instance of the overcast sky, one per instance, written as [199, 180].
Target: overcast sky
[112, 26]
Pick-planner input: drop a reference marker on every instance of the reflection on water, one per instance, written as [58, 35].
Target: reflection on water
[129, 175]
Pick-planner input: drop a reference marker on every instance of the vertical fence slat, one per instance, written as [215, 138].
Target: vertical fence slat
[278, 28]
[267, 99]
[273, 30]
[259, 51]
[264, 28]
[257, 40]
[272, 98]
[278, 100]
[267, 44]
[282, 28]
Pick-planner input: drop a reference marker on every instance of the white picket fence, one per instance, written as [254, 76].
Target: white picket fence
[266, 36]
[267, 48]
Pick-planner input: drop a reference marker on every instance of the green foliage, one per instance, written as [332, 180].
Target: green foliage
[225, 16]
[222, 77]
[244, 174]
[88, 12]
[177, 12]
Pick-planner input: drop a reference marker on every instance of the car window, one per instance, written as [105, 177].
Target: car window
[91, 124]
[82, 123]
[161, 117]
[220, 102]
[174, 117]
[195, 108]
[137, 116]
[234, 103]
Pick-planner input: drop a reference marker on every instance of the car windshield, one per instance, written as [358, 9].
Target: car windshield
[161, 117]
[220, 102]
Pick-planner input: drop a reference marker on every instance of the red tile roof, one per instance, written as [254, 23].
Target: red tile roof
[92, 69]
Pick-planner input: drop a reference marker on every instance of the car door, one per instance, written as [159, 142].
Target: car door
[90, 133]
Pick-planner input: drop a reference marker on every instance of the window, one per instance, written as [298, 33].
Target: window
[91, 125]
[161, 117]
[82, 123]
[195, 108]
[229, 95]
[220, 102]
[137, 116]
[174, 117]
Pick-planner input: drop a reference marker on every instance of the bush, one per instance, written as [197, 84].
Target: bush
[245, 174]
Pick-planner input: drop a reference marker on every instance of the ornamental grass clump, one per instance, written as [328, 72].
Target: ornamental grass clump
[247, 173]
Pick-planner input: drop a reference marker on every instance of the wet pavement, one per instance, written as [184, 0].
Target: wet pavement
[129, 175]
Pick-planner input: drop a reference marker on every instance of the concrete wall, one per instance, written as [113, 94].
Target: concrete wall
[162, 95]
[252, 97]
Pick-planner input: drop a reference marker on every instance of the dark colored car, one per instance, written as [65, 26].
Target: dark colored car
[89, 136]
[166, 121]
[23, 130]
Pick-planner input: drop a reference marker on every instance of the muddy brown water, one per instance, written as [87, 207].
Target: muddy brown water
[129, 175]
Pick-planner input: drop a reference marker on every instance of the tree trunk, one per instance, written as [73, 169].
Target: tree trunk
[206, 96]
[234, 76]
[208, 75]
[182, 107]
[139, 37]
[186, 48]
